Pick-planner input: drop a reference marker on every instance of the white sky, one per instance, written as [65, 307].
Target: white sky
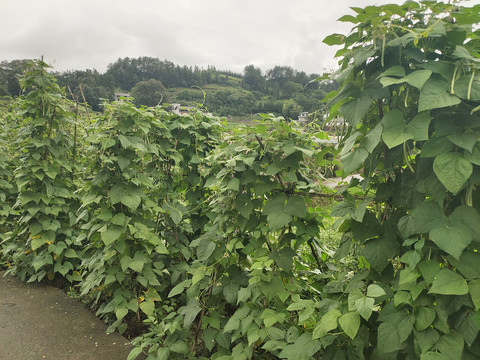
[228, 34]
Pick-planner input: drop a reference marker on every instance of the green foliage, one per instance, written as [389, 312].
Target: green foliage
[209, 243]
[43, 165]
[149, 93]
[409, 78]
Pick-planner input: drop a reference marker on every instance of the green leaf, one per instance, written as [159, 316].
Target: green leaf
[296, 206]
[463, 53]
[234, 184]
[451, 345]
[468, 264]
[374, 291]
[137, 265]
[148, 307]
[350, 323]
[327, 322]
[190, 312]
[131, 201]
[232, 324]
[434, 95]
[116, 193]
[303, 349]
[429, 270]
[448, 282]
[397, 70]
[112, 233]
[388, 338]
[118, 219]
[371, 140]
[205, 249]
[334, 39]
[452, 240]
[466, 141]
[424, 317]
[175, 213]
[379, 251]
[244, 205]
[37, 242]
[275, 205]
[355, 110]
[427, 216]
[354, 159]
[453, 170]
[123, 162]
[432, 355]
[418, 126]
[364, 307]
[179, 347]
[468, 217]
[243, 295]
[179, 288]
[134, 353]
[121, 313]
[392, 335]
[71, 253]
[416, 79]
[426, 338]
[278, 220]
[474, 289]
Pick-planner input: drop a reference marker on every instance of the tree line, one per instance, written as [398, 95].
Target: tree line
[281, 90]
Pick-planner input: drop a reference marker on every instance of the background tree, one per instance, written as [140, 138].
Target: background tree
[9, 72]
[291, 109]
[253, 79]
[149, 93]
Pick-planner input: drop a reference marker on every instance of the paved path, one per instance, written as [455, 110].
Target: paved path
[41, 322]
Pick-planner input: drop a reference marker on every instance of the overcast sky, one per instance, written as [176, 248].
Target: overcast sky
[228, 34]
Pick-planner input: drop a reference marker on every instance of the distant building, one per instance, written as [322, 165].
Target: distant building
[117, 96]
[182, 109]
[303, 117]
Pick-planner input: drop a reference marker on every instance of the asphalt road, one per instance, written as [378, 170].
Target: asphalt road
[41, 322]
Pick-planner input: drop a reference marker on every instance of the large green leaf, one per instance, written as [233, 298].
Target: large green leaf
[451, 345]
[327, 322]
[468, 264]
[427, 216]
[296, 206]
[278, 220]
[424, 317]
[364, 306]
[391, 335]
[474, 289]
[355, 110]
[394, 129]
[434, 95]
[303, 349]
[354, 160]
[244, 205]
[275, 205]
[466, 141]
[451, 239]
[379, 251]
[131, 201]
[415, 78]
[448, 282]
[350, 323]
[453, 170]
[112, 233]
[418, 126]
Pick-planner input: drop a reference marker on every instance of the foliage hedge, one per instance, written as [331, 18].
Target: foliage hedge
[210, 244]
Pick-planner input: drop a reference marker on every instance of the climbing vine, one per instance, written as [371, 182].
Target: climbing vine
[411, 96]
